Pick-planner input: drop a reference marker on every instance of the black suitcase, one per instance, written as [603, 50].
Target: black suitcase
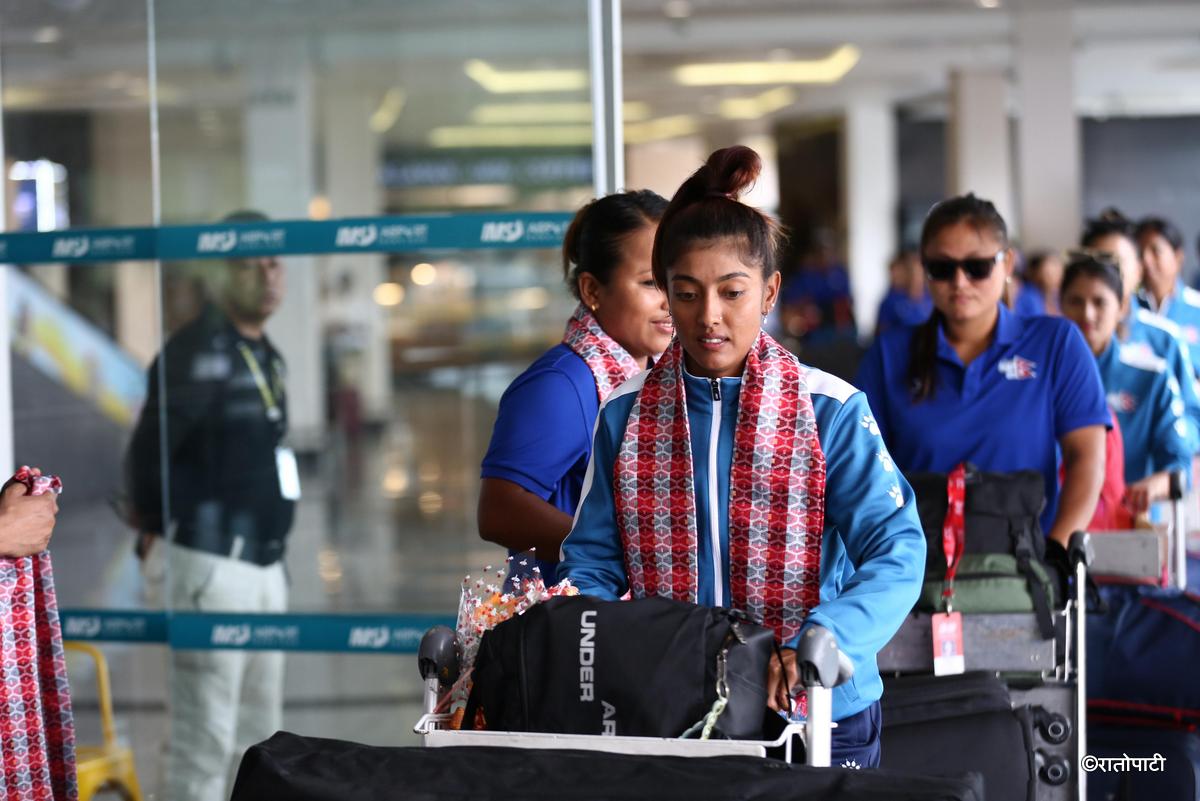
[289, 767]
[947, 724]
[1175, 778]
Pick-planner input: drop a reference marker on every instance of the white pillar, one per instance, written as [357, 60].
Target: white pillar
[872, 193]
[765, 192]
[980, 155]
[121, 151]
[352, 160]
[279, 149]
[1048, 151]
[6, 406]
[663, 166]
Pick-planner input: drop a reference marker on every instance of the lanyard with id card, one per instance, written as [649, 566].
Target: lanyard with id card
[285, 458]
[948, 656]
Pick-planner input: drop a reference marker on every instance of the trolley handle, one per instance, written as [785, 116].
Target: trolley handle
[438, 662]
[1178, 485]
[822, 666]
[820, 662]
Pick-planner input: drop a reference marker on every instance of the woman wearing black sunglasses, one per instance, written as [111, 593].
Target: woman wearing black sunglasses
[977, 383]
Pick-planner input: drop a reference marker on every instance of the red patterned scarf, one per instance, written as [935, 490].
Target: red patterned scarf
[611, 365]
[776, 491]
[37, 733]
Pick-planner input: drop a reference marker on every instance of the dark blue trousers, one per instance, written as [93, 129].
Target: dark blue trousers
[856, 740]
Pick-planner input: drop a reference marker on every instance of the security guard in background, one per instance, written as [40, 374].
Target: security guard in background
[232, 492]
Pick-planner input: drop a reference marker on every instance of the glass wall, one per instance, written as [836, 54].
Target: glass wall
[390, 365]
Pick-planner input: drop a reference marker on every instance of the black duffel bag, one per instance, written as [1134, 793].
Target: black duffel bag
[289, 767]
[580, 665]
[1003, 565]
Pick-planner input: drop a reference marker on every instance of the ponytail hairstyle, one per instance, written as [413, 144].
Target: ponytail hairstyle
[1090, 264]
[981, 215]
[706, 210]
[1164, 228]
[1111, 221]
[593, 241]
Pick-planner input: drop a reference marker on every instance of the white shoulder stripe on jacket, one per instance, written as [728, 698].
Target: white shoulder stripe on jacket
[823, 383]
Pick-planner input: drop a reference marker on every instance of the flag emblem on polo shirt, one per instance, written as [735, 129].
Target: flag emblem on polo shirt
[1122, 402]
[1018, 369]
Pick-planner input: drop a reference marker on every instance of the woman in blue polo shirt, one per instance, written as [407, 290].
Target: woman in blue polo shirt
[1140, 388]
[1160, 246]
[977, 383]
[731, 475]
[533, 470]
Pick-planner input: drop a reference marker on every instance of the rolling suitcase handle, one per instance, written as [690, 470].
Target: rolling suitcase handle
[1178, 531]
[822, 666]
[1080, 553]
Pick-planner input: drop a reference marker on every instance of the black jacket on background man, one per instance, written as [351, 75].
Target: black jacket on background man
[221, 442]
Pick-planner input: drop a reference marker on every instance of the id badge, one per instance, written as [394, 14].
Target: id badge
[289, 473]
[948, 658]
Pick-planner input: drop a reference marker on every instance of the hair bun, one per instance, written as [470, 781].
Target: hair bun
[731, 171]
[1113, 215]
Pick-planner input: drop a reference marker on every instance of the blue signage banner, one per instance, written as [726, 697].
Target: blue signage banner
[490, 231]
[79, 245]
[395, 634]
[392, 634]
[113, 626]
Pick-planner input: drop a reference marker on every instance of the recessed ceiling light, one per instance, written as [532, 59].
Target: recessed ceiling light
[753, 108]
[508, 81]
[830, 69]
[388, 111]
[423, 274]
[388, 294]
[547, 113]
[988, 3]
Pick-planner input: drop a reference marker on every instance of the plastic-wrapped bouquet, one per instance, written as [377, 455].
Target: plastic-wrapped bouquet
[490, 600]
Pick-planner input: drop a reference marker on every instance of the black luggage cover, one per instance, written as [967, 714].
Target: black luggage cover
[289, 767]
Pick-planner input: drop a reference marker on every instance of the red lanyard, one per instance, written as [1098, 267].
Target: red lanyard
[954, 528]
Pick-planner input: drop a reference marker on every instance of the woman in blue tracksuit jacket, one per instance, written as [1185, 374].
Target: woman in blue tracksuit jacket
[1141, 329]
[1160, 246]
[716, 259]
[1139, 387]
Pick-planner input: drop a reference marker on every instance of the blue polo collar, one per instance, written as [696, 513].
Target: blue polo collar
[1008, 328]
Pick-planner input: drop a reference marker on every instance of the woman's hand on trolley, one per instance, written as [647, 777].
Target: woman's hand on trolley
[1140, 494]
[779, 692]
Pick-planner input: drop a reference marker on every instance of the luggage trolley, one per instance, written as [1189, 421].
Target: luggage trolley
[1047, 675]
[1150, 557]
[822, 666]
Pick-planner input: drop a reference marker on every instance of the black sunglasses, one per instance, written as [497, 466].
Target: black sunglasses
[976, 269]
